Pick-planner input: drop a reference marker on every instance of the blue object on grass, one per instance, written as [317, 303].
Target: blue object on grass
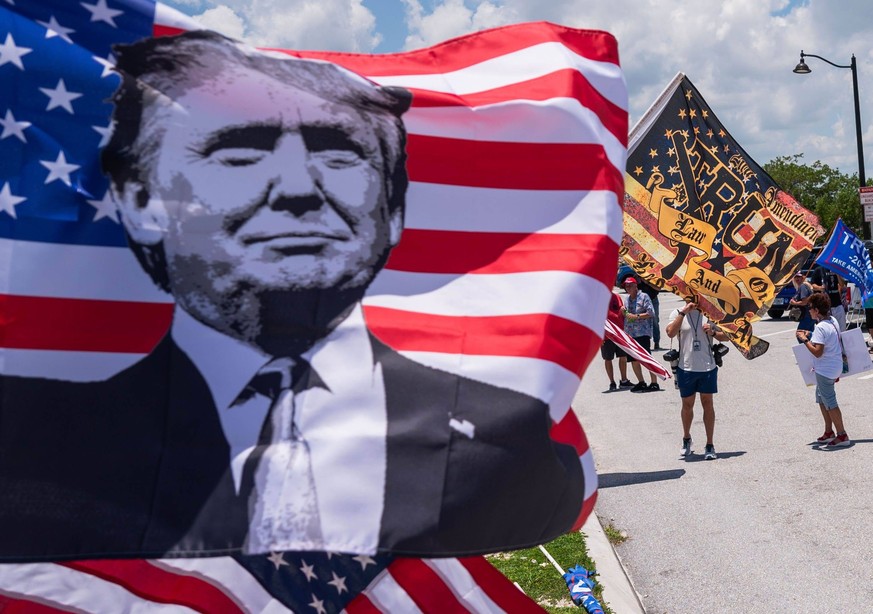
[580, 581]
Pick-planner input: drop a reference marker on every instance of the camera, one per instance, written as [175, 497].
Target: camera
[719, 350]
[672, 356]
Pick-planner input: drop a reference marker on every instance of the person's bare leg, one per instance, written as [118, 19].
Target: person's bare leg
[607, 364]
[829, 424]
[687, 416]
[837, 417]
[622, 367]
[708, 416]
[638, 371]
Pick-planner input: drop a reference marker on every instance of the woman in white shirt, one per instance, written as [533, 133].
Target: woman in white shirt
[826, 347]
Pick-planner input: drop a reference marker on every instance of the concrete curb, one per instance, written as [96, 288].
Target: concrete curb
[618, 590]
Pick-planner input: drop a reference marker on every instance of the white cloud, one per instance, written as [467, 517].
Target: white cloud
[222, 19]
[343, 25]
[452, 18]
[739, 53]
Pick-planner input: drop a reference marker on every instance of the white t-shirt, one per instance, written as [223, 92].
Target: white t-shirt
[831, 362]
[700, 360]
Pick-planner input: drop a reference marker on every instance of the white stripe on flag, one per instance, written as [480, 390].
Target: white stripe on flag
[523, 65]
[575, 297]
[228, 576]
[589, 471]
[66, 588]
[464, 586]
[387, 595]
[447, 207]
[558, 120]
[541, 379]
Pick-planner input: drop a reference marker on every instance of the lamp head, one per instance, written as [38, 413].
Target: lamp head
[802, 68]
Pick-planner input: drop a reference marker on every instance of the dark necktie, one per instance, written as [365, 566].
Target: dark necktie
[282, 503]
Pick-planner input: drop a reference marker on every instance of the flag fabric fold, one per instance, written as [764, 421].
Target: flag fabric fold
[845, 254]
[635, 350]
[516, 151]
[704, 220]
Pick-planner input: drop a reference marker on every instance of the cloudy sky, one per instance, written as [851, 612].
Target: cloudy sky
[738, 53]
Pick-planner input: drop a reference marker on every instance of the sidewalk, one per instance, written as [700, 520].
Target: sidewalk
[618, 590]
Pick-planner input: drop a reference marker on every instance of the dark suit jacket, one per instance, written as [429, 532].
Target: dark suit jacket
[138, 466]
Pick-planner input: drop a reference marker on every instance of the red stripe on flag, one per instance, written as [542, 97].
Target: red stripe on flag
[471, 49]
[587, 509]
[158, 30]
[444, 251]
[9, 605]
[498, 587]
[155, 584]
[513, 166]
[544, 336]
[567, 83]
[425, 587]
[570, 432]
[362, 605]
[39, 323]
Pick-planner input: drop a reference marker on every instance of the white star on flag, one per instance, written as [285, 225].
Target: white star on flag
[108, 65]
[12, 127]
[8, 200]
[106, 208]
[9, 53]
[104, 133]
[338, 582]
[60, 97]
[364, 560]
[275, 558]
[318, 605]
[308, 571]
[53, 28]
[101, 12]
[60, 169]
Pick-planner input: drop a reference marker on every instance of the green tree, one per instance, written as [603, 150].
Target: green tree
[820, 188]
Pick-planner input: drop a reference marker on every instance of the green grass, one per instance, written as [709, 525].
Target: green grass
[614, 536]
[538, 577]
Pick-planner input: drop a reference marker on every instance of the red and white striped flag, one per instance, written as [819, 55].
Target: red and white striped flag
[634, 350]
[516, 144]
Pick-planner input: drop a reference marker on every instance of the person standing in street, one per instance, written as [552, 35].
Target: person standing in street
[638, 318]
[652, 292]
[826, 348]
[609, 351]
[832, 285]
[697, 373]
[801, 300]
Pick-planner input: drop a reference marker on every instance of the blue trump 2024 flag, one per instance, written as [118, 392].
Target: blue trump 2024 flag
[846, 255]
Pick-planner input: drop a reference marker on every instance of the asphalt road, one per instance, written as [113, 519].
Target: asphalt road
[774, 524]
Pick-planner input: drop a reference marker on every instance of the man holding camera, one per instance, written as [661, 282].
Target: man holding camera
[697, 371]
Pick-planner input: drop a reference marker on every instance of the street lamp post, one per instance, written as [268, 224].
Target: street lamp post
[803, 69]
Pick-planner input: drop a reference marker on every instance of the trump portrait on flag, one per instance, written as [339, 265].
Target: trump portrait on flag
[264, 193]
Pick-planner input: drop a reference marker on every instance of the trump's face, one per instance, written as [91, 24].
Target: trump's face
[259, 186]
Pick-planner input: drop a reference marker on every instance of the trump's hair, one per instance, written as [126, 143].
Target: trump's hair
[154, 70]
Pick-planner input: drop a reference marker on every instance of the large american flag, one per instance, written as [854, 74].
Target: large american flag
[517, 144]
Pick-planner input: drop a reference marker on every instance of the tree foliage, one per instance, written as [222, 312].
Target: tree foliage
[820, 188]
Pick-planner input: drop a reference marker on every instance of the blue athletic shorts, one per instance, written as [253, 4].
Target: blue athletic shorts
[691, 382]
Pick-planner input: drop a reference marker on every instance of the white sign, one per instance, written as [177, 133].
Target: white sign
[866, 194]
[868, 213]
[856, 351]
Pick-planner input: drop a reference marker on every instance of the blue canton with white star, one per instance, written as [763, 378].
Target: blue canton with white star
[316, 582]
[56, 79]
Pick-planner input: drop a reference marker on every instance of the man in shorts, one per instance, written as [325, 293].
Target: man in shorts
[609, 351]
[697, 373]
[638, 319]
